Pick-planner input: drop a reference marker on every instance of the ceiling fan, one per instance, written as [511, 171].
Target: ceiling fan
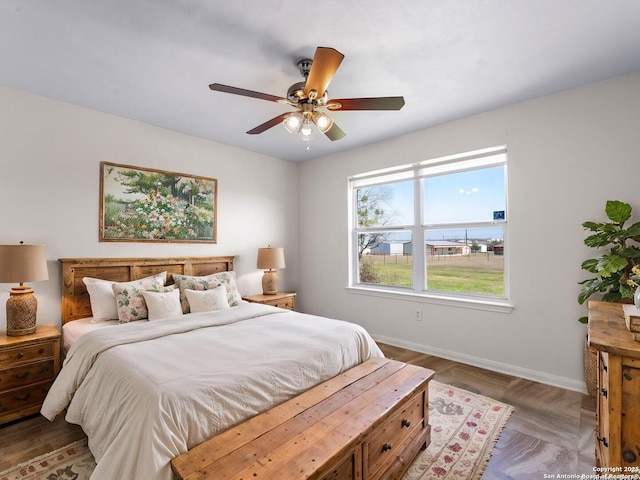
[311, 95]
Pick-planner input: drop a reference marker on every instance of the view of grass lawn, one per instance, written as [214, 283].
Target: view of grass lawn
[478, 274]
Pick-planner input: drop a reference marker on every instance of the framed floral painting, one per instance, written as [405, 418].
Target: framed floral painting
[144, 205]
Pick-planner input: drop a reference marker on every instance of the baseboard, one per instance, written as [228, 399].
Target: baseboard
[534, 375]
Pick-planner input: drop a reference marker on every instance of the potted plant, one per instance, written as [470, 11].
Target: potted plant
[615, 270]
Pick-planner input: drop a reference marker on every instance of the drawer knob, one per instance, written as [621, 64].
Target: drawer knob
[386, 447]
[22, 376]
[406, 423]
[20, 354]
[628, 456]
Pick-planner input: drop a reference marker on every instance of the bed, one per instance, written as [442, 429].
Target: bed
[146, 391]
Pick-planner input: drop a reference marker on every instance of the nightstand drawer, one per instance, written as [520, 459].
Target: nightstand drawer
[26, 374]
[281, 302]
[15, 355]
[20, 399]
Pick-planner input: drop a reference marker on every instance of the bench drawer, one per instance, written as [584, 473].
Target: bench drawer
[346, 469]
[392, 437]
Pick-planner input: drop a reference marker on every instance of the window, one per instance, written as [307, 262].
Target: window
[436, 228]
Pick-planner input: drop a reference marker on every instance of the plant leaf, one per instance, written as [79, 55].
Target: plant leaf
[629, 252]
[600, 239]
[626, 291]
[590, 265]
[633, 230]
[609, 264]
[589, 287]
[617, 211]
[583, 320]
[612, 296]
[594, 227]
[612, 229]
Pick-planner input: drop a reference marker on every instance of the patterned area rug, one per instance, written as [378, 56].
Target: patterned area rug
[73, 462]
[464, 429]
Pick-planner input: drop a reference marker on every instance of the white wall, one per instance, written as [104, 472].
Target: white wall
[49, 190]
[567, 154]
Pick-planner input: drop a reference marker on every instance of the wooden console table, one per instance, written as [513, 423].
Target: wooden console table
[618, 397]
[370, 421]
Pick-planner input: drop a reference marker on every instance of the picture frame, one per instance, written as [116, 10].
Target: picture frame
[139, 204]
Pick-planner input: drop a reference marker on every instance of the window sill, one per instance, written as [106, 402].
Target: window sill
[500, 306]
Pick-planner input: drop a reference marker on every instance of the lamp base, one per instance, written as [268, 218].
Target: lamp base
[270, 282]
[22, 307]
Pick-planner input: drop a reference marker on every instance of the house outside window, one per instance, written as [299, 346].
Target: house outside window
[437, 228]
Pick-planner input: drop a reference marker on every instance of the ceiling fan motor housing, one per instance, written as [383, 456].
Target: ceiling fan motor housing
[296, 92]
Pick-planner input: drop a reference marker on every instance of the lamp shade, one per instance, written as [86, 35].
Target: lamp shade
[23, 263]
[270, 258]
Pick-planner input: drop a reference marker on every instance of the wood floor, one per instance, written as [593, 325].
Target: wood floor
[551, 431]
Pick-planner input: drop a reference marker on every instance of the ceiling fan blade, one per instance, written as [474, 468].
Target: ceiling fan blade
[325, 64]
[376, 103]
[268, 124]
[335, 132]
[218, 87]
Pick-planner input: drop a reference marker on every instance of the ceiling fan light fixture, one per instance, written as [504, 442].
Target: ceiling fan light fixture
[306, 130]
[293, 122]
[323, 122]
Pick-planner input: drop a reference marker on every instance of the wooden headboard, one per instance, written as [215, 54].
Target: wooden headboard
[75, 298]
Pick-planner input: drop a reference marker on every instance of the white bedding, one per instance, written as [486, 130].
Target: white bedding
[71, 331]
[145, 392]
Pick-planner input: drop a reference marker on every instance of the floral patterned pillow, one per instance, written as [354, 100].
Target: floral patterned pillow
[103, 302]
[228, 279]
[130, 301]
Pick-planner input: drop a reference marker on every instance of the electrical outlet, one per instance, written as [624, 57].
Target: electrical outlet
[417, 315]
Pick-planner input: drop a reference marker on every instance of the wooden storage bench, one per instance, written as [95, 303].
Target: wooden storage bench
[367, 423]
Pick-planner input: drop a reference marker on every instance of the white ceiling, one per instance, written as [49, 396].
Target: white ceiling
[152, 60]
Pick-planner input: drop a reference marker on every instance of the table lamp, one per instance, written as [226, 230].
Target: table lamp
[22, 263]
[270, 258]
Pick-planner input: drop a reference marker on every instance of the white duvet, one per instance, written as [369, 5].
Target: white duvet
[146, 392]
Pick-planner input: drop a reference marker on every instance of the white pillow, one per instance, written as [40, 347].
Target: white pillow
[207, 300]
[103, 300]
[208, 282]
[163, 305]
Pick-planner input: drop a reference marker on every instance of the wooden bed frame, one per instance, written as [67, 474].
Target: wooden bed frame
[393, 395]
[75, 298]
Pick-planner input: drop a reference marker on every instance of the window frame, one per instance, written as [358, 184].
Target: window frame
[478, 159]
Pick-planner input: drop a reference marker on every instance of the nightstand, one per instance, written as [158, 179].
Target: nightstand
[280, 299]
[28, 366]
